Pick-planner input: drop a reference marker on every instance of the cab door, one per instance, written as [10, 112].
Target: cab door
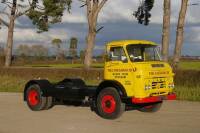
[118, 68]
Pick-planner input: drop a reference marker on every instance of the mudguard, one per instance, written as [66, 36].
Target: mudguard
[112, 83]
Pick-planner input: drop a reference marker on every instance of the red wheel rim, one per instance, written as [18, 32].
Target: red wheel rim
[33, 97]
[108, 104]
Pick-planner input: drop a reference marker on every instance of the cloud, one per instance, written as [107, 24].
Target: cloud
[120, 10]
[74, 17]
[118, 22]
[97, 47]
[194, 35]
[30, 36]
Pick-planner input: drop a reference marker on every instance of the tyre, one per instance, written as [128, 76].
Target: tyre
[109, 104]
[49, 103]
[151, 108]
[34, 98]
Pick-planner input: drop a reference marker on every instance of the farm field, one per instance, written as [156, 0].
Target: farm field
[184, 65]
[190, 65]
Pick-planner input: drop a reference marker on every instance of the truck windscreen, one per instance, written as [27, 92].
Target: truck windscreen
[142, 52]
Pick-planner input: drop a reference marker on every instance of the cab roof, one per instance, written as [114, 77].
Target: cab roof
[126, 42]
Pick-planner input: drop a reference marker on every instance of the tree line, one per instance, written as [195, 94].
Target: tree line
[57, 49]
[41, 14]
[50, 11]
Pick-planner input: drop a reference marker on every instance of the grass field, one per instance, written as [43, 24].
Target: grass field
[188, 93]
[184, 65]
[187, 80]
[187, 87]
[10, 83]
[190, 65]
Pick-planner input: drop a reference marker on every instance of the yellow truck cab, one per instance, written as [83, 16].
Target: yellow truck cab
[137, 66]
[134, 78]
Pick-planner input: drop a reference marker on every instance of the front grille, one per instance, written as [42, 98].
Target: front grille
[158, 85]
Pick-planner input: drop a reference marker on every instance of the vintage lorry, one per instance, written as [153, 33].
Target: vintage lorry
[134, 78]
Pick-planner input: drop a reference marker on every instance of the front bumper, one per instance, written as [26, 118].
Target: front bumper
[154, 99]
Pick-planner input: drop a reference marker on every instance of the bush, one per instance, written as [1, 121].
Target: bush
[53, 73]
[187, 85]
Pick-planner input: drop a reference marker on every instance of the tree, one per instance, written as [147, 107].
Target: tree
[23, 50]
[1, 50]
[93, 9]
[73, 48]
[57, 43]
[180, 33]
[12, 11]
[2, 22]
[41, 13]
[51, 12]
[143, 12]
[166, 30]
[82, 55]
[1, 54]
[39, 51]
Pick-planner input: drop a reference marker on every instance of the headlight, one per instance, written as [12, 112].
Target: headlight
[147, 87]
[171, 85]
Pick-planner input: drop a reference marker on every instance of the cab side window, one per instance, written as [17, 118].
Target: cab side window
[117, 54]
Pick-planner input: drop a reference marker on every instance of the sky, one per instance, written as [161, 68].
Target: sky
[116, 17]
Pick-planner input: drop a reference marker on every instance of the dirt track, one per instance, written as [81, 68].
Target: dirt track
[174, 117]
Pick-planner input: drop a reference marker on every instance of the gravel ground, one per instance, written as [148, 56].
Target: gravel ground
[174, 117]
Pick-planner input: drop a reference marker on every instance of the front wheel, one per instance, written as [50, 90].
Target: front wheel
[151, 107]
[109, 104]
[34, 98]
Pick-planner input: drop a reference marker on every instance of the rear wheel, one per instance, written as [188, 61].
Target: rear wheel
[49, 103]
[34, 98]
[109, 104]
[151, 108]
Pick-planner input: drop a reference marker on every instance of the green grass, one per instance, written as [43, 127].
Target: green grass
[11, 84]
[190, 65]
[16, 84]
[184, 65]
[13, 80]
[96, 65]
[188, 93]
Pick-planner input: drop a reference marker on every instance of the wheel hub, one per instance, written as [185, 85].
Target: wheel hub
[33, 97]
[108, 104]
